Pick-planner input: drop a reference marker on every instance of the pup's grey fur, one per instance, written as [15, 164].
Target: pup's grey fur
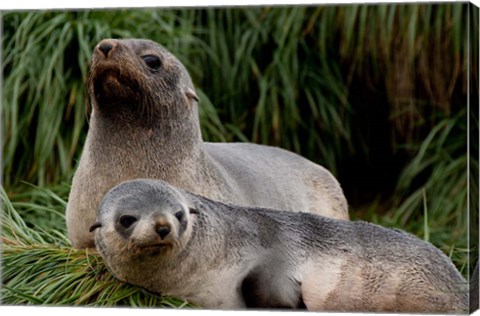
[144, 124]
[229, 257]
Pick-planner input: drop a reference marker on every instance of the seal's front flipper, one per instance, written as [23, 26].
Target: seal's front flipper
[261, 289]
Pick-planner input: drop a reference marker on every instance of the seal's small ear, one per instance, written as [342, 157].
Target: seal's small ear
[190, 93]
[193, 210]
[191, 205]
[95, 226]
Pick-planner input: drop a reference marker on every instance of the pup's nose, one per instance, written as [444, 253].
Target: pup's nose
[163, 231]
[106, 46]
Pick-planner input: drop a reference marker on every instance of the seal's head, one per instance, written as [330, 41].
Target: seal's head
[142, 220]
[137, 77]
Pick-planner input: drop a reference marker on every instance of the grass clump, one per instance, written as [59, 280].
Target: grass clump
[305, 78]
[39, 265]
[48, 275]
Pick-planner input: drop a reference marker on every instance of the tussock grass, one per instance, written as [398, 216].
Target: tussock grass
[39, 265]
[48, 275]
[442, 156]
[62, 276]
[279, 76]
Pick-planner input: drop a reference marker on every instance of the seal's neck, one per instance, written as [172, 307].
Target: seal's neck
[157, 148]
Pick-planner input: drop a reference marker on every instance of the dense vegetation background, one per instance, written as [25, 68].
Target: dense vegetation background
[378, 94]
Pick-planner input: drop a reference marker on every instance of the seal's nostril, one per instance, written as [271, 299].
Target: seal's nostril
[105, 48]
[163, 231]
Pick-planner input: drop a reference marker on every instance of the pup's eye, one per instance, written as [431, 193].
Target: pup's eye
[179, 215]
[152, 61]
[127, 220]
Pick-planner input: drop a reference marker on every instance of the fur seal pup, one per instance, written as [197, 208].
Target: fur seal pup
[221, 256]
[144, 124]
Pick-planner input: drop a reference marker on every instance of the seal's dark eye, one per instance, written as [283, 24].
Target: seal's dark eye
[179, 215]
[127, 220]
[152, 61]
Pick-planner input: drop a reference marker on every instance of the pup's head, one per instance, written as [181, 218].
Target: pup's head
[143, 219]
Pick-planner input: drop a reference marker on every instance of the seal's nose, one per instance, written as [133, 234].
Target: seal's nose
[105, 47]
[163, 231]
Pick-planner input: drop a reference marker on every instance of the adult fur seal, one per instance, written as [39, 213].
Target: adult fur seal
[217, 255]
[144, 124]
